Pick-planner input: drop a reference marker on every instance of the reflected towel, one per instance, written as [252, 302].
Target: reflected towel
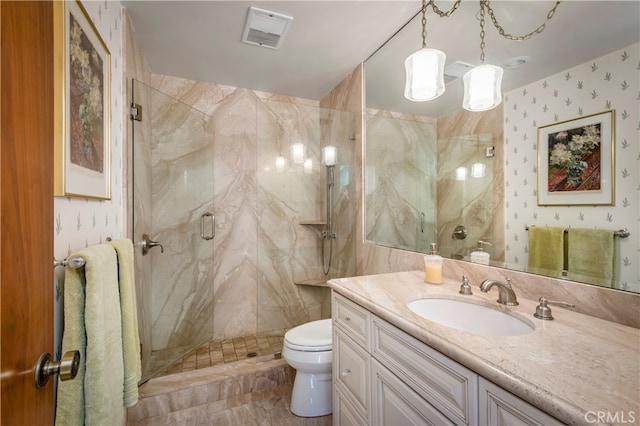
[546, 250]
[92, 325]
[128, 307]
[592, 256]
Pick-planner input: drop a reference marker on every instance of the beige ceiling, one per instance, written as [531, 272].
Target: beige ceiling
[201, 40]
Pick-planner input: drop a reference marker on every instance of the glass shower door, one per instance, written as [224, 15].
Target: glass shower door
[172, 206]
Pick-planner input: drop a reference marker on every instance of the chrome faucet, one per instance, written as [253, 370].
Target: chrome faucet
[506, 295]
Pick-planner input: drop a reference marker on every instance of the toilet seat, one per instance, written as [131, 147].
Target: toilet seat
[314, 336]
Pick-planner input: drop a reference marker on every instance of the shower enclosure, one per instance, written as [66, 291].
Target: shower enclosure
[267, 274]
[172, 206]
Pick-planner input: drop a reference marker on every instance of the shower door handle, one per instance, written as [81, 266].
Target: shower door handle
[147, 244]
[202, 226]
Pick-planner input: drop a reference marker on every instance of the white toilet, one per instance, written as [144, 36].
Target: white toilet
[308, 349]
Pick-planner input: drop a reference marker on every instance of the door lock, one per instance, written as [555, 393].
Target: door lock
[67, 367]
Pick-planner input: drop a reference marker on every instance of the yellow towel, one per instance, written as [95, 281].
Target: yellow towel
[592, 256]
[92, 325]
[130, 336]
[546, 250]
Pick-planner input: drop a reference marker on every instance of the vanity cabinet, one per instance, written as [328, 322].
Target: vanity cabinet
[384, 376]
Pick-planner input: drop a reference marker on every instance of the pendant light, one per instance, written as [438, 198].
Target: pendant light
[482, 84]
[424, 69]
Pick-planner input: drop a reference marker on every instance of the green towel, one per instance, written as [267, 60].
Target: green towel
[546, 250]
[130, 336]
[92, 325]
[592, 256]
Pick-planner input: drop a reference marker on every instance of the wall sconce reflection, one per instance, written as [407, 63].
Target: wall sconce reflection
[281, 163]
[298, 153]
[461, 173]
[308, 166]
[478, 170]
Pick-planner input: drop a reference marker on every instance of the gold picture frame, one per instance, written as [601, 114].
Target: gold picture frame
[576, 161]
[83, 105]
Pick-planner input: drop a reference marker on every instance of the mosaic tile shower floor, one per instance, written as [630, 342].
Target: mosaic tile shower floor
[218, 352]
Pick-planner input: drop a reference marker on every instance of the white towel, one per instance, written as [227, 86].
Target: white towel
[92, 325]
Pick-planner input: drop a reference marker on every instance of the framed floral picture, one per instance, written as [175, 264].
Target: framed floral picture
[83, 119]
[576, 161]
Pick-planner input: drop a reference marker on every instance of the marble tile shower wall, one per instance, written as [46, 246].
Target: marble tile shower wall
[295, 193]
[260, 248]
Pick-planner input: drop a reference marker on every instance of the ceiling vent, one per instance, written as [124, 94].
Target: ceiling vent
[266, 29]
[456, 70]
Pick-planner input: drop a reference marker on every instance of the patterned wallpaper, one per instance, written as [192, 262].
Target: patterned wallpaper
[79, 223]
[605, 83]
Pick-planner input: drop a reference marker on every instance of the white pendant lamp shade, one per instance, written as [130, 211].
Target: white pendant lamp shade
[425, 75]
[482, 88]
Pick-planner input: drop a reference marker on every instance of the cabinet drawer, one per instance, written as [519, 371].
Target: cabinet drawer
[501, 408]
[351, 371]
[397, 404]
[353, 319]
[447, 385]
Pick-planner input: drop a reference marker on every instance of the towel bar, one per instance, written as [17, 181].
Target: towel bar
[622, 233]
[74, 262]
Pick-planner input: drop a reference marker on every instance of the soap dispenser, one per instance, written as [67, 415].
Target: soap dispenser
[481, 256]
[433, 266]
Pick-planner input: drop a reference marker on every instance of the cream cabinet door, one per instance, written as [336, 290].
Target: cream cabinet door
[501, 408]
[395, 403]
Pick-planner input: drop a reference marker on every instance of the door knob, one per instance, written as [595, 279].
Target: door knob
[148, 244]
[67, 367]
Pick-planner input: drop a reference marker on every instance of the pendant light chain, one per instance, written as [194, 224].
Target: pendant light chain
[482, 43]
[424, 23]
[442, 14]
[506, 35]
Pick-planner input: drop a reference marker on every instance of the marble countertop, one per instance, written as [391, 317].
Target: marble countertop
[573, 367]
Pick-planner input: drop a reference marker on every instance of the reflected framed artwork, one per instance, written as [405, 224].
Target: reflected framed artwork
[576, 161]
[82, 94]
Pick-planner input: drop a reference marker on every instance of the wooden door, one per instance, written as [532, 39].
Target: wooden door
[26, 200]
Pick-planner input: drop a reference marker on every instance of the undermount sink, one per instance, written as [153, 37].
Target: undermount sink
[470, 317]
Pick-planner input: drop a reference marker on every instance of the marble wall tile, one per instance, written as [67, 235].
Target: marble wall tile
[289, 195]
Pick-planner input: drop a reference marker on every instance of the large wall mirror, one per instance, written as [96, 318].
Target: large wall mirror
[468, 180]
